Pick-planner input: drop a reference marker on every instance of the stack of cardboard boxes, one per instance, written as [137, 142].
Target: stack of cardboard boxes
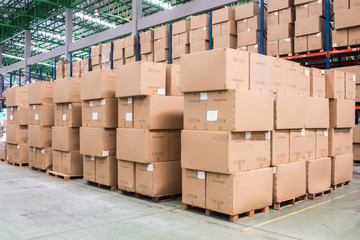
[105, 56]
[247, 17]
[65, 132]
[148, 133]
[147, 45]
[3, 149]
[130, 49]
[118, 53]
[84, 65]
[161, 44]
[17, 121]
[96, 57]
[199, 33]
[310, 25]
[41, 119]
[180, 40]
[60, 69]
[340, 89]
[347, 24]
[280, 27]
[76, 69]
[226, 141]
[224, 28]
[99, 121]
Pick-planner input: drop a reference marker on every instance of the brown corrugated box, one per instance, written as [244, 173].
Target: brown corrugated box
[161, 44]
[147, 36]
[44, 158]
[277, 75]
[32, 157]
[318, 174]
[300, 44]
[65, 139]
[275, 5]
[147, 47]
[20, 115]
[199, 46]
[125, 112]
[318, 8]
[141, 78]
[354, 69]
[226, 41]
[309, 25]
[106, 171]
[181, 27]
[302, 11]
[226, 69]
[340, 38]
[286, 46]
[3, 154]
[173, 80]
[158, 112]
[100, 113]
[340, 141]
[272, 19]
[302, 145]
[129, 41]
[273, 48]
[317, 83]
[178, 51]
[158, 179]
[67, 114]
[126, 175]
[356, 133]
[195, 110]
[289, 180]
[225, 152]
[254, 48]
[341, 168]
[354, 4]
[347, 18]
[105, 144]
[350, 85]
[223, 15]
[286, 15]
[40, 92]
[280, 147]
[225, 28]
[89, 170]
[321, 143]
[240, 192]
[342, 114]
[161, 55]
[39, 136]
[248, 38]
[247, 10]
[245, 25]
[199, 21]
[16, 96]
[316, 41]
[67, 90]
[356, 149]
[354, 35]
[260, 72]
[10, 115]
[199, 34]
[146, 146]
[280, 31]
[317, 112]
[41, 114]
[290, 110]
[56, 158]
[194, 187]
[17, 153]
[335, 84]
[340, 5]
[70, 163]
[98, 84]
[16, 134]
[130, 51]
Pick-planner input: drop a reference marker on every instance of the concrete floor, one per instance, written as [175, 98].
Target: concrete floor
[36, 206]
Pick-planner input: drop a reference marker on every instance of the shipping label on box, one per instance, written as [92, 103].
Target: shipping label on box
[302, 145]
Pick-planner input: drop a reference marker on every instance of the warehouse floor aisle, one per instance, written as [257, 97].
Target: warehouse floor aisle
[36, 206]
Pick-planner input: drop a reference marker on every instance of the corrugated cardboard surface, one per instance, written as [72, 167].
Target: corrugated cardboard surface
[321, 143]
[194, 187]
[290, 111]
[317, 112]
[39, 136]
[16, 134]
[199, 21]
[279, 4]
[260, 66]
[67, 90]
[32, 156]
[356, 134]
[126, 175]
[126, 112]
[335, 84]
[44, 158]
[340, 141]
[70, 163]
[106, 171]
[41, 114]
[352, 69]
[356, 149]
[280, 147]
[17, 153]
[342, 113]
[40, 92]
[318, 174]
[89, 168]
[21, 115]
[98, 142]
[97, 84]
[16, 96]
[302, 145]
[223, 15]
[317, 83]
[341, 168]
[100, 113]
[347, 18]
[65, 139]
[68, 114]
[350, 85]
[246, 10]
[173, 80]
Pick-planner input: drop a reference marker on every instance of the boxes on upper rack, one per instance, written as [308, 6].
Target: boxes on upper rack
[98, 84]
[60, 69]
[16, 96]
[199, 33]
[130, 48]
[180, 39]
[147, 45]
[161, 44]
[224, 28]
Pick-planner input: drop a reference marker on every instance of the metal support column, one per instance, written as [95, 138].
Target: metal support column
[27, 53]
[111, 55]
[89, 69]
[19, 78]
[54, 69]
[170, 43]
[2, 90]
[210, 32]
[68, 31]
[29, 74]
[41, 70]
[10, 79]
[138, 47]
[1, 56]
[327, 34]
[136, 14]
[261, 26]
[340, 62]
[70, 64]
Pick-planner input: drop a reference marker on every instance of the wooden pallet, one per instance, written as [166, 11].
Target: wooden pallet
[340, 185]
[3, 160]
[346, 47]
[155, 199]
[111, 188]
[320, 194]
[234, 218]
[17, 164]
[290, 201]
[41, 170]
[63, 176]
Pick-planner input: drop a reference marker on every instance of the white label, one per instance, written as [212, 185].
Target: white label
[161, 91]
[318, 35]
[334, 44]
[92, 158]
[103, 101]
[243, 48]
[307, 72]
[267, 136]
[94, 116]
[325, 133]
[64, 117]
[248, 29]
[7, 158]
[12, 108]
[287, 40]
[322, 72]
[91, 103]
[18, 108]
[150, 168]
[248, 135]
[34, 149]
[319, 1]
[36, 116]
[105, 153]
[276, 13]
[33, 107]
[303, 131]
[203, 96]
[354, 78]
[18, 146]
[42, 150]
[130, 100]
[274, 169]
[212, 115]
[69, 106]
[11, 117]
[245, 20]
[256, 46]
[351, 130]
[306, 5]
[128, 117]
[274, 96]
[201, 175]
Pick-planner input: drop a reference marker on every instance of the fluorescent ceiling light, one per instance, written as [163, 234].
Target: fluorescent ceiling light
[95, 20]
[160, 3]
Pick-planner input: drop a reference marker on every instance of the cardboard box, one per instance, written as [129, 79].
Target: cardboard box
[356, 134]
[347, 18]
[44, 158]
[226, 41]
[41, 114]
[178, 51]
[318, 174]
[161, 44]
[297, 82]
[16, 134]
[272, 18]
[17, 153]
[318, 8]
[354, 4]
[199, 21]
[39, 136]
[280, 147]
[300, 44]
[106, 171]
[98, 142]
[130, 41]
[278, 75]
[302, 145]
[161, 55]
[147, 47]
[321, 143]
[16, 96]
[279, 4]
[125, 112]
[317, 112]
[353, 69]
[89, 168]
[286, 15]
[40, 92]
[199, 46]
[65, 139]
[280, 31]
[316, 41]
[146, 146]
[70, 163]
[226, 69]
[10, 115]
[248, 38]
[194, 187]
[158, 179]
[240, 192]
[141, 78]
[225, 152]
[246, 11]
[67, 90]
[147, 36]
[260, 72]
[195, 110]
[60, 69]
[100, 113]
[21, 115]
[173, 80]
[289, 180]
[354, 35]
[286, 46]
[340, 38]
[350, 85]
[340, 141]
[342, 114]
[98, 84]
[317, 83]
[158, 112]
[181, 27]
[341, 169]
[311, 25]
[273, 48]
[245, 25]
[335, 84]
[339, 5]
[126, 175]
[84, 65]
[56, 158]
[32, 157]
[130, 60]
[290, 110]
[3, 154]
[223, 15]
[356, 149]
[68, 114]
[302, 11]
